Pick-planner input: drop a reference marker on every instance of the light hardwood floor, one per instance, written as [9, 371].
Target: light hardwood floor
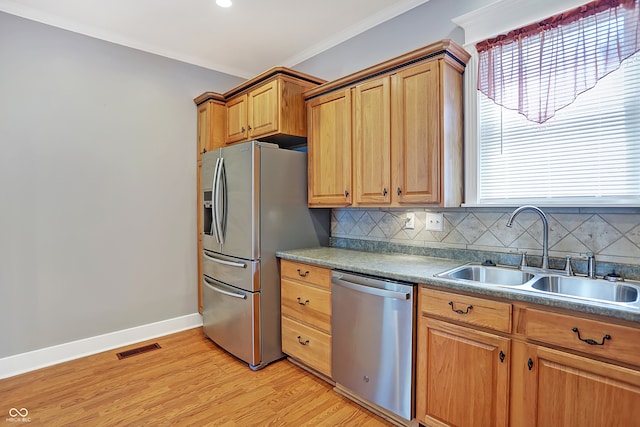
[188, 382]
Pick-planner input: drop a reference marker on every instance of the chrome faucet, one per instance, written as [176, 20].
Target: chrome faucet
[545, 231]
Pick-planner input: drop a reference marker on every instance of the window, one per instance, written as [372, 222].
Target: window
[587, 154]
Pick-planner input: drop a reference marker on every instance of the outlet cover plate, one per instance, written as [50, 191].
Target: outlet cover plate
[410, 221]
[435, 222]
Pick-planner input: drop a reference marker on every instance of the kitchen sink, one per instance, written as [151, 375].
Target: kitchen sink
[593, 289]
[491, 275]
[548, 282]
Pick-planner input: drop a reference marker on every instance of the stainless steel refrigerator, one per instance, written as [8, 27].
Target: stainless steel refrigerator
[255, 203]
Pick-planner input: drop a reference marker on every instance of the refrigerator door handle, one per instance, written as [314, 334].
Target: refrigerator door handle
[216, 199]
[223, 187]
[224, 262]
[214, 228]
[214, 288]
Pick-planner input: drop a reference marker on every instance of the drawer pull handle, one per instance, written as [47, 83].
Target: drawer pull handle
[301, 274]
[589, 340]
[469, 307]
[302, 303]
[302, 342]
[502, 355]
[530, 364]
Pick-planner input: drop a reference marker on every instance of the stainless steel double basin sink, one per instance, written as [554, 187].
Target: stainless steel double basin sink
[572, 287]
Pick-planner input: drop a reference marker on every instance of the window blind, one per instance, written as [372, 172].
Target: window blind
[588, 153]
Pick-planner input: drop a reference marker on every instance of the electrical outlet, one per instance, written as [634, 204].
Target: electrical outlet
[410, 221]
[435, 222]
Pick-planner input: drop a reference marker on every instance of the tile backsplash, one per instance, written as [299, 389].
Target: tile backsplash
[612, 234]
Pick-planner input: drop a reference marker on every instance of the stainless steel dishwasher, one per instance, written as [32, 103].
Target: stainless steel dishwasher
[373, 332]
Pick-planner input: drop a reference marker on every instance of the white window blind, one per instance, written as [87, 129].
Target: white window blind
[589, 153]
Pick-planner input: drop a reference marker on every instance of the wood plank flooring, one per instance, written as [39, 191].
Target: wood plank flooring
[189, 382]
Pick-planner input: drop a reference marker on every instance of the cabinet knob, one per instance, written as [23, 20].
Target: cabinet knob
[249, 126]
[346, 193]
[502, 356]
[530, 364]
[399, 191]
[242, 129]
[384, 191]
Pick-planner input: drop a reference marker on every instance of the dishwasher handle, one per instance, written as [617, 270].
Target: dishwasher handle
[371, 290]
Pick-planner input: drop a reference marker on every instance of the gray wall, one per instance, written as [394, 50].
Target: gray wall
[97, 185]
[425, 24]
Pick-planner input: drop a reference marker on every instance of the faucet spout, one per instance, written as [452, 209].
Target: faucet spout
[545, 230]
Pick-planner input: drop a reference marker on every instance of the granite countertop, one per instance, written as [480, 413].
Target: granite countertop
[421, 269]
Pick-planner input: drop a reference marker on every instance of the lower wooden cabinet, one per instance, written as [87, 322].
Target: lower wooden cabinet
[462, 375]
[554, 388]
[540, 374]
[306, 314]
[307, 345]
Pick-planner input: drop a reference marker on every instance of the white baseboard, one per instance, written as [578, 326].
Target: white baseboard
[32, 360]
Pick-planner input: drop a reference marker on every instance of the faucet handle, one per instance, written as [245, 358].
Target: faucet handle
[591, 264]
[568, 269]
[523, 260]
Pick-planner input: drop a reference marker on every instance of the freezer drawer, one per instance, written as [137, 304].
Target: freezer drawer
[236, 272]
[231, 319]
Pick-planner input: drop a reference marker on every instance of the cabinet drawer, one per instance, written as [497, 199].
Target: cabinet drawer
[622, 344]
[474, 311]
[306, 273]
[308, 304]
[308, 345]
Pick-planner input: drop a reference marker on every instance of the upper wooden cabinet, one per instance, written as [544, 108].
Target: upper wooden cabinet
[270, 107]
[417, 143]
[210, 125]
[329, 159]
[407, 130]
[372, 141]
[236, 127]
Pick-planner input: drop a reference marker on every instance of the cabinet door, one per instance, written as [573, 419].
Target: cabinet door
[329, 146]
[263, 110]
[416, 134]
[210, 125]
[236, 119]
[462, 376]
[553, 388]
[372, 142]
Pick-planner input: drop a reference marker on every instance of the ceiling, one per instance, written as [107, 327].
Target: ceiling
[244, 40]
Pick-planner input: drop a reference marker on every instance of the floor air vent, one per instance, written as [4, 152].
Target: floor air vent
[139, 350]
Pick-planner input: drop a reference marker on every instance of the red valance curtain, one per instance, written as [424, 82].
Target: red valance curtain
[541, 68]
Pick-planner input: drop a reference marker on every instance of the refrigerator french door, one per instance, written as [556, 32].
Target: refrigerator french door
[254, 204]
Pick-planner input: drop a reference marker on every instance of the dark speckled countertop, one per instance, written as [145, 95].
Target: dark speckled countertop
[421, 269]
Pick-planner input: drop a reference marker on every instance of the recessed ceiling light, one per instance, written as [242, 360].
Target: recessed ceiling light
[223, 3]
